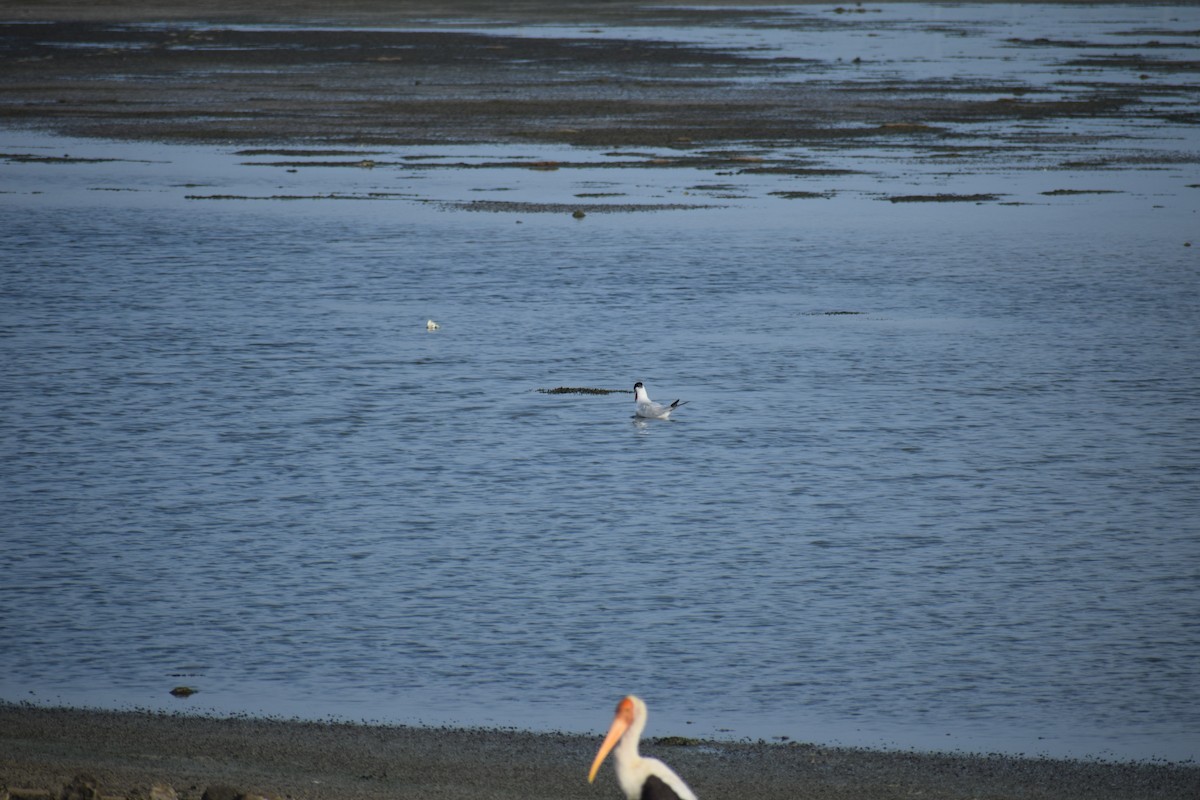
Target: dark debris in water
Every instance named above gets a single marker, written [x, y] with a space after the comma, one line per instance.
[31, 158]
[333, 196]
[582, 390]
[362, 163]
[909, 127]
[1042, 41]
[1064, 192]
[566, 208]
[943, 198]
[1136, 62]
[791, 195]
[808, 172]
[301, 153]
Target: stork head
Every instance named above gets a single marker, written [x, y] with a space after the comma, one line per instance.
[627, 710]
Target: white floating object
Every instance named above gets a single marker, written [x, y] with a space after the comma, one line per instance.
[431, 326]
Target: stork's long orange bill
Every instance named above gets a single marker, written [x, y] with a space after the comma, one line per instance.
[620, 724]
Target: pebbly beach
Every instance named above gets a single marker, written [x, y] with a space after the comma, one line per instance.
[44, 751]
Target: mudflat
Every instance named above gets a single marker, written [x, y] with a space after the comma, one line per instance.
[373, 72]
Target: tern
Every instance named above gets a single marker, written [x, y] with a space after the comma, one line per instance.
[648, 408]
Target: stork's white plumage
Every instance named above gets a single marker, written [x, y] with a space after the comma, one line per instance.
[647, 408]
[640, 778]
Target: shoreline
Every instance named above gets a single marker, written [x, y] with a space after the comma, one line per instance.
[130, 753]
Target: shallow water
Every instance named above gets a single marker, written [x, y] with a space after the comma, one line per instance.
[962, 516]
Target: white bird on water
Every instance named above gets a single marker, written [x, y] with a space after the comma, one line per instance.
[431, 326]
[640, 778]
[648, 408]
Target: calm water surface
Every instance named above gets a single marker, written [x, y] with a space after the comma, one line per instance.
[963, 516]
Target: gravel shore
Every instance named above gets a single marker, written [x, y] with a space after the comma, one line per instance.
[127, 754]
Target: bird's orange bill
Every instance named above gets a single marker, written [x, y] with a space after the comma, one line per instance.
[620, 724]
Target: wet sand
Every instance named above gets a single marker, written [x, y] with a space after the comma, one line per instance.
[128, 753]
